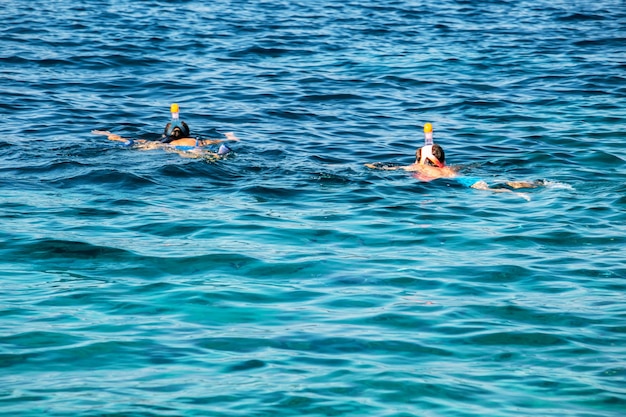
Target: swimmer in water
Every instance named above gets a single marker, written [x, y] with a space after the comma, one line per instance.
[430, 165]
[175, 138]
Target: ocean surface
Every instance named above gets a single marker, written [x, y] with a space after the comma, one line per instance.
[287, 279]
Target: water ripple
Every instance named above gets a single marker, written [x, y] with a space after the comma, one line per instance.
[288, 279]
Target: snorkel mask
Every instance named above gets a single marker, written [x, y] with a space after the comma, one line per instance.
[426, 152]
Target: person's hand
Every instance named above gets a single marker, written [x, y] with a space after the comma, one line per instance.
[100, 132]
[231, 136]
[109, 135]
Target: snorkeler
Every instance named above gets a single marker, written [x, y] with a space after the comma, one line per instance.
[430, 165]
[175, 138]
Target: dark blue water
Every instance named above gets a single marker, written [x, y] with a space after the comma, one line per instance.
[287, 279]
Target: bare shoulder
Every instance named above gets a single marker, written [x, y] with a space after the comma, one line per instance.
[433, 172]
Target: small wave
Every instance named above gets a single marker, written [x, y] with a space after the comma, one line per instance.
[290, 264]
[331, 97]
[264, 52]
[580, 17]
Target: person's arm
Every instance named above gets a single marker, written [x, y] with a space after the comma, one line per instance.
[109, 135]
[118, 138]
[230, 136]
[386, 167]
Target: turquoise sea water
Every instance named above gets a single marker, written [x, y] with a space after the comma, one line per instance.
[288, 279]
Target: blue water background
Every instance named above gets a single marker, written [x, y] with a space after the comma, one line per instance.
[288, 279]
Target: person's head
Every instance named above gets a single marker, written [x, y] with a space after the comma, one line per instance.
[431, 155]
[176, 129]
[175, 133]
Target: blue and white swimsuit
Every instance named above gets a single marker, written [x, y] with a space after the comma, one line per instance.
[466, 181]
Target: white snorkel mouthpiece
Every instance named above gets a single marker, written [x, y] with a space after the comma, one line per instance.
[428, 134]
[174, 111]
